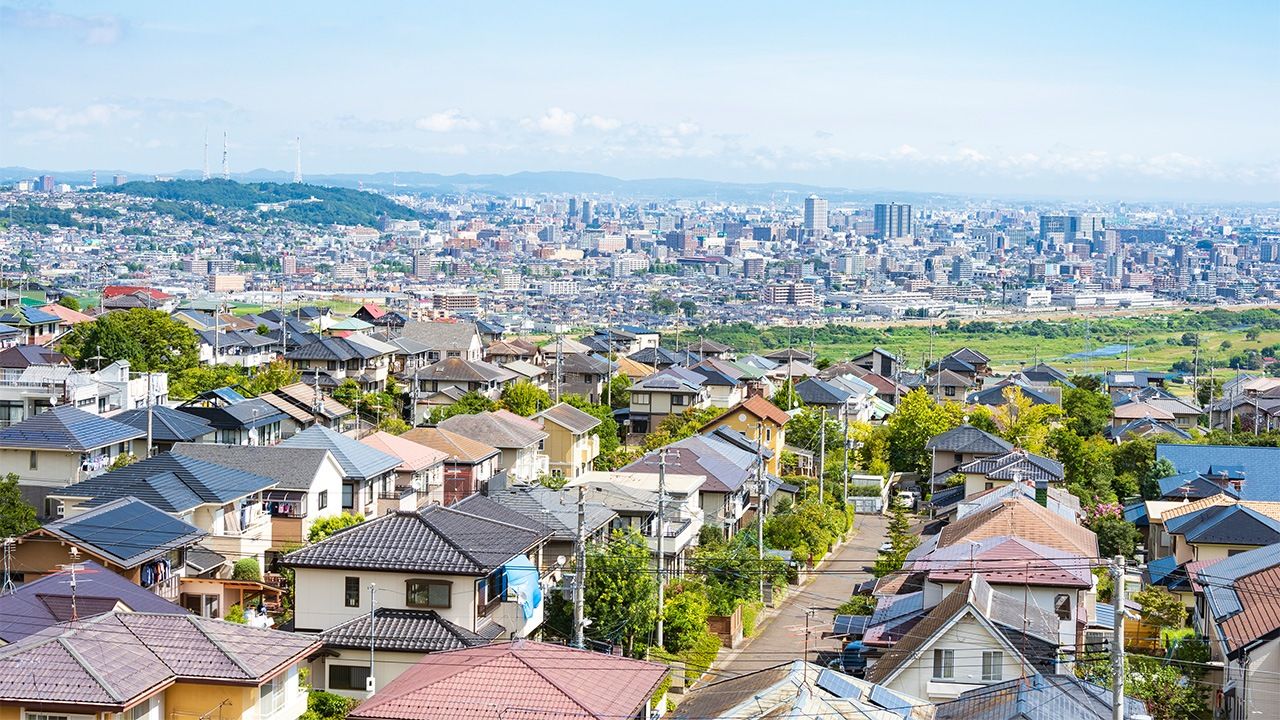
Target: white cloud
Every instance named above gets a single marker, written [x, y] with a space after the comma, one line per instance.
[446, 121]
[600, 122]
[57, 117]
[556, 121]
[686, 129]
[91, 30]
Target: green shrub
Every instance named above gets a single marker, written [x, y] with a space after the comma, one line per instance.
[685, 615]
[235, 614]
[246, 569]
[857, 605]
[325, 526]
[750, 614]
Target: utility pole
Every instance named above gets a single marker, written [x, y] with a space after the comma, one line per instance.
[822, 454]
[559, 359]
[662, 530]
[845, 447]
[760, 505]
[1117, 640]
[371, 686]
[580, 574]
[149, 433]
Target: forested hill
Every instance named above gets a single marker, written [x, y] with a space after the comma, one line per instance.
[340, 206]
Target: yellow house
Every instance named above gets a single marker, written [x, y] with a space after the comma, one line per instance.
[144, 666]
[570, 446]
[751, 417]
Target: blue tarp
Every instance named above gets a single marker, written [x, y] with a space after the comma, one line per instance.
[522, 577]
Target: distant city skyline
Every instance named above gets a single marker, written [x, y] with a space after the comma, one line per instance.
[1135, 100]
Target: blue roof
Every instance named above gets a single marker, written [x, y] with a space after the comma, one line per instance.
[46, 602]
[1260, 465]
[357, 459]
[28, 315]
[67, 428]
[1137, 514]
[1160, 569]
[167, 424]
[173, 483]
[126, 532]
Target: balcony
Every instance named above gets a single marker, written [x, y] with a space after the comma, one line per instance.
[167, 588]
[402, 498]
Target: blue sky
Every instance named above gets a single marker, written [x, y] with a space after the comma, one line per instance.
[1103, 100]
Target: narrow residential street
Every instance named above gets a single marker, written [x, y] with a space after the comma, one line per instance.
[783, 637]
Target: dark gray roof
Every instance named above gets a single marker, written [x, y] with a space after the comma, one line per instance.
[293, 468]
[167, 424]
[1040, 697]
[171, 482]
[441, 336]
[494, 429]
[434, 540]
[820, 392]
[128, 531]
[569, 417]
[68, 428]
[46, 602]
[422, 631]
[1015, 464]
[357, 459]
[968, 439]
[243, 414]
[556, 509]
[487, 507]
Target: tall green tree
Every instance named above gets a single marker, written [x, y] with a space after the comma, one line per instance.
[786, 397]
[916, 419]
[619, 391]
[804, 430]
[17, 516]
[1088, 411]
[149, 339]
[524, 398]
[471, 403]
[621, 593]
[1023, 423]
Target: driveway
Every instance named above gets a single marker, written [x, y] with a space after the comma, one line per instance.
[783, 637]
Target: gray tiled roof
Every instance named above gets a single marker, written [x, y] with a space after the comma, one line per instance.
[67, 428]
[167, 424]
[493, 429]
[357, 459]
[1040, 697]
[441, 336]
[433, 540]
[127, 531]
[114, 659]
[293, 468]
[556, 509]
[968, 439]
[422, 631]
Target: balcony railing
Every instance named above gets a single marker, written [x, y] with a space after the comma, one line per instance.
[166, 588]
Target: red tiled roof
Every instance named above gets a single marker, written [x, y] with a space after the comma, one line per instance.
[111, 291]
[529, 680]
[757, 406]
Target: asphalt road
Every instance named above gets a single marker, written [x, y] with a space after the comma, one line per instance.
[784, 637]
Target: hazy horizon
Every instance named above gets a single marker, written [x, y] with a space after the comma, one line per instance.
[1140, 101]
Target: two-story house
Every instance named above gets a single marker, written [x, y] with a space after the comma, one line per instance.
[436, 566]
[306, 405]
[238, 420]
[355, 357]
[468, 465]
[571, 447]
[37, 326]
[729, 470]
[540, 508]
[1012, 466]
[521, 441]
[368, 474]
[960, 446]
[669, 392]
[421, 467]
[446, 339]
[168, 426]
[633, 498]
[757, 418]
[62, 446]
[444, 381]
[584, 374]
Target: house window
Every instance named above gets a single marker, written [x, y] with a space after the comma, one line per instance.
[34, 463]
[351, 591]
[679, 400]
[271, 695]
[949, 391]
[1062, 606]
[988, 486]
[323, 499]
[348, 496]
[57, 716]
[348, 677]
[427, 593]
[542, 444]
[944, 664]
[640, 398]
[992, 665]
[149, 710]
[768, 435]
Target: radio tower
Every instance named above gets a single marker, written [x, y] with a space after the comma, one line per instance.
[226, 165]
[297, 168]
[206, 154]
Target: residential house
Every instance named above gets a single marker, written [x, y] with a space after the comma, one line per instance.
[1250, 473]
[68, 318]
[975, 637]
[1144, 428]
[368, 474]
[363, 359]
[1219, 527]
[20, 357]
[705, 348]
[143, 297]
[241, 348]
[730, 471]
[1044, 696]
[798, 689]
[237, 419]
[305, 405]
[308, 483]
[226, 503]
[571, 447]
[150, 666]
[879, 361]
[952, 504]
[521, 441]
[584, 374]
[633, 497]
[997, 394]
[502, 352]
[966, 362]
[446, 339]
[1125, 381]
[62, 446]
[421, 467]
[38, 604]
[38, 327]
[472, 571]
[542, 680]
[542, 509]
[633, 370]
[1237, 609]
[528, 372]
[661, 358]
[1012, 466]
[127, 536]
[961, 446]
[443, 382]
[754, 418]
[409, 354]
[787, 355]
[1156, 404]
[949, 386]
[168, 426]
[468, 466]
[723, 383]
[668, 392]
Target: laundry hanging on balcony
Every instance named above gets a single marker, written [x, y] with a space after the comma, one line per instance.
[523, 579]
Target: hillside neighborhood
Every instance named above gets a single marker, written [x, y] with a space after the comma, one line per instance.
[301, 513]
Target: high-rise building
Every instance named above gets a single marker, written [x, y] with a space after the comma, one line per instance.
[421, 263]
[588, 212]
[573, 208]
[815, 215]
[753, 267]
[789, 294]
[961, 270]
[892, 221]
[46, 183]
[119, 180]
[289, 264]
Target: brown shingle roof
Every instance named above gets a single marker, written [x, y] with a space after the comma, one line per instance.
[457, 447]
[1024, 518]
[1260, 613]
[932, 622]
[570, 418]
